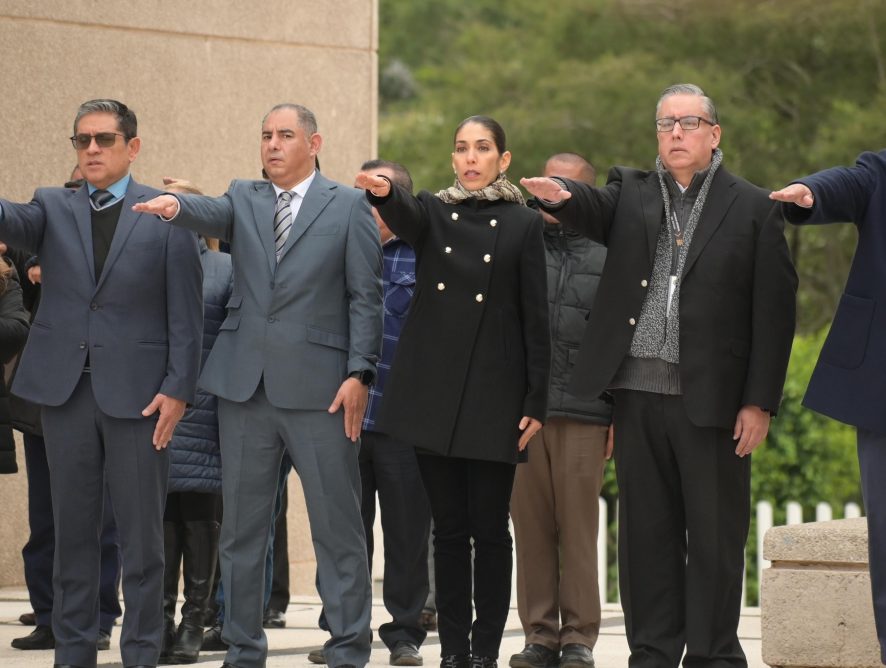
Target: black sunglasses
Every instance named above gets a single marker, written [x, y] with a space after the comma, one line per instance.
[103, 139]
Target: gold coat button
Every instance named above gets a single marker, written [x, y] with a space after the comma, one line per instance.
[479, 298]
[454, 216]
[487, 258]
[644, 283]
[630, 321]
[441, 286]
[493, 222]
[448, 249]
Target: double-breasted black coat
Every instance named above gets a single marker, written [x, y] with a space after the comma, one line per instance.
[474, 353]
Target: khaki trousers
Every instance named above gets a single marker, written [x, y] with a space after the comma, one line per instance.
[554, 507]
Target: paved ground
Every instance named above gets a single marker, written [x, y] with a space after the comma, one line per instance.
[289, 646]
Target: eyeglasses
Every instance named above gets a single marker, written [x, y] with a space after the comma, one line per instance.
[103, 139]
[686, 123]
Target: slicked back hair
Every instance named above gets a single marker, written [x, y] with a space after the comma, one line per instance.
[306, 119]
[126, 121]
[689, 89]
[498, 132]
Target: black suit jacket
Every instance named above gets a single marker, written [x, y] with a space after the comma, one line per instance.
[737, 292]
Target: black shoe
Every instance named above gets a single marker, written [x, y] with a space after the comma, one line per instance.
[104, 640]
[483, 662]
[317, 656]
[455, 661]
[575, 655]
[40, 638]
[405, 654]
[534, 656]
[212, 640]
[428, 620]
[188, 642]
[28, 619]
[274, 619]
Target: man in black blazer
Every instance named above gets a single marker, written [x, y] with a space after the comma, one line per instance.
[691, 334]
[112, 358]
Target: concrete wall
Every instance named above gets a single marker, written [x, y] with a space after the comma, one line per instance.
[200, 75]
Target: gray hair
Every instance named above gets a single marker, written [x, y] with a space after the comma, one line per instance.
[306, 119]
[689, 89]
[126, 121]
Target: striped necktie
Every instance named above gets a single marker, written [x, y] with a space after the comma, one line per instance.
[282, 222]
[100, 198]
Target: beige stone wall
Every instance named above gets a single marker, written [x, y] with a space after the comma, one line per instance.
[200, 75]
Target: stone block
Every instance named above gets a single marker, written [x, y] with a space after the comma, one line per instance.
[816, 597]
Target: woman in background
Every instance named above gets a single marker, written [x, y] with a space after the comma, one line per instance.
[193, 503]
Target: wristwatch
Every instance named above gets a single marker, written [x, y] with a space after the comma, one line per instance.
[366, 376]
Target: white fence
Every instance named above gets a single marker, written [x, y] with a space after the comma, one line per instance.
[793, 512]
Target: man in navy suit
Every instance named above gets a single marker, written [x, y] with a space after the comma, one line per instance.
[112, 357]
[849, 383]
[293, 358]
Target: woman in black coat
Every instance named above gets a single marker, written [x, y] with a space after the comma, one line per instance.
[468, 384]
[13, 334]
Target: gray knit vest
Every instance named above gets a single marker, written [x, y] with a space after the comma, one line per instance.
[651, 364]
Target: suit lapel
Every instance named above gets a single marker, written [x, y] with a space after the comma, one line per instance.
[318, 196]
[82, 211]
[264, 204]
[653, 211]
[716, 206]
[125, 225]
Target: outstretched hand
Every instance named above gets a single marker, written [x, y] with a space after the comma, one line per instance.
[165, 206]
[545, 188]
[378, 186]
[796, 193]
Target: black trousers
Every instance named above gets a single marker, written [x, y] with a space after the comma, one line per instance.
[389, 468]
[469, 503]
[684, 513]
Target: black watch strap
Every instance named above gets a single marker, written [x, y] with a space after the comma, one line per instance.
[365, 376]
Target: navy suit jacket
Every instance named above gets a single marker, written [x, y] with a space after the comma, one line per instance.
[303, 324]
[849, 381]
[140, 321]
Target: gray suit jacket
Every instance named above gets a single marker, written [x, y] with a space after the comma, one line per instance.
[303, 324]
[140, 321]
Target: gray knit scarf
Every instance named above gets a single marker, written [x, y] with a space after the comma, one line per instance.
[501, 188]
[657, 335]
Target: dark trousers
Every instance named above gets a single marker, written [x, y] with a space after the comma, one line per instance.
[87, 449]
[469, 502]
[872, 462]
[390, 469]
[684, 513]
[38, 552]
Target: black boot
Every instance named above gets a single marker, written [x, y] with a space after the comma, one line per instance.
[200, 550]
[173, 555]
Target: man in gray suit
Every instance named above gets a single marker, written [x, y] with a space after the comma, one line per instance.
[300, 342]
[112, 357]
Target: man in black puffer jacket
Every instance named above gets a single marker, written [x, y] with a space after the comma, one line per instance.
[554, 504]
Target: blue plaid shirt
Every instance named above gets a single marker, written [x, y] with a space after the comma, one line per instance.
[399, 283]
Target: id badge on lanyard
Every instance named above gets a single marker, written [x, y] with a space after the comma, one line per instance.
[672, 280]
